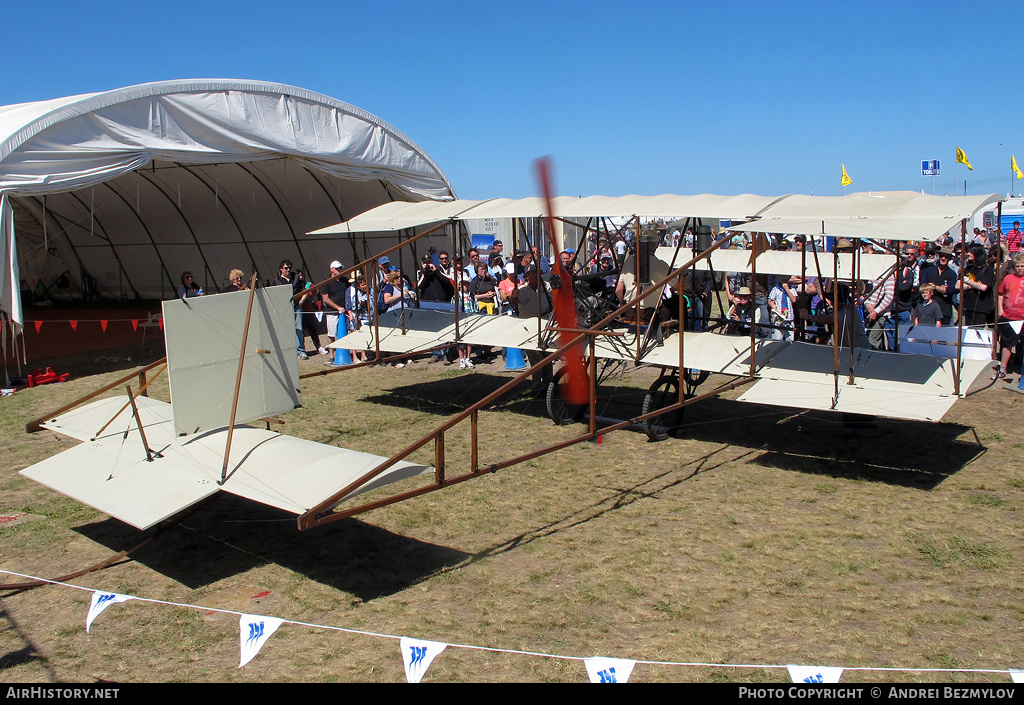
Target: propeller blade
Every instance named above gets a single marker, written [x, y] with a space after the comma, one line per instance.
[575, 382]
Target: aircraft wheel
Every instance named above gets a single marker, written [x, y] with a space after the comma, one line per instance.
[695, 378]
[558, 410]
[662, 393]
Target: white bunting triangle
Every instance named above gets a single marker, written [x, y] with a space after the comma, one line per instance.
[100, 602]
[609, 670]
[815, 674]
[417, 656]
[1017, 676]
[253, 632]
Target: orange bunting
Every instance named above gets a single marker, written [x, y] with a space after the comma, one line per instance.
[39, 324]
[103, 325]
[74, 325]
[135, 324]
[161, 324]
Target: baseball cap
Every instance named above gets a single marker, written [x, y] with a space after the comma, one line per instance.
[384, 260]
[337, 265]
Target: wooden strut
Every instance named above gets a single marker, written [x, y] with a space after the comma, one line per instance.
[138, 424]
[317, 515]
[142, 392]
[477, 471]
[34, 425]
[960, 308]
[238, 380]
[117, 556]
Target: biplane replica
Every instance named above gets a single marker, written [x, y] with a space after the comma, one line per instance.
[231, 358]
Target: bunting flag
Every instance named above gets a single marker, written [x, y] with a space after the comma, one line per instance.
[417, 656]
[161, 323]
[609, 670]
[135, 324]
[103, 325]
[100, 602]
[74, 325]
[253, 632]
[846, 180]
[815, 674]
[961, 158]
[1016, 169]
[39, 324]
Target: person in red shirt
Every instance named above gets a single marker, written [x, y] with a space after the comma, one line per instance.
[1013, 238]
[1010, 308]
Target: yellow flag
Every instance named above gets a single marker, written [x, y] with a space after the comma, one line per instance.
[961, 158]
[1016, 169]
[846, 180]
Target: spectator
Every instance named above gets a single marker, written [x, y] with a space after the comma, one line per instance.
[542, 262]
[878, 313]
[358, 309]
[908, 285]
[188, 287]
[333, 298]
[505, 289]
[286, 277]
[1010, 308]
[742, 313]
[1012, 239]
[484, 290]
[396, 294]
[533, 300]
[944, 280]
[979, 286]
[928, 312]
[850, 325]
[309, 310]
[236, 282]
[432, 283]
[781, 300]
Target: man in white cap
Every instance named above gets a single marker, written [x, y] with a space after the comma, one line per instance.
[333, 294]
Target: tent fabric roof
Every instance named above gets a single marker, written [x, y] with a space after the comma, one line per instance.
[204, 121]
[391, 217]
[133, 186]
[893, 215]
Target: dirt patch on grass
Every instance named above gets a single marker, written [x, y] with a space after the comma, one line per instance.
[761, 536]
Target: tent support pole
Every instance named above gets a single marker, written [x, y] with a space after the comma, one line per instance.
[174, 204]
[198, 174]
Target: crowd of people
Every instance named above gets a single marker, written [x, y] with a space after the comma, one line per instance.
[924, 288]
[975, 280]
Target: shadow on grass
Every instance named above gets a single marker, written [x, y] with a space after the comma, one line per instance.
[27, 654]
[450, 395]
[618, 497]
[907, 453]
[233, 535]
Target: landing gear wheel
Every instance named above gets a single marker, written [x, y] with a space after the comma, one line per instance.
[664, 392]
[694, 378]
[558, 410]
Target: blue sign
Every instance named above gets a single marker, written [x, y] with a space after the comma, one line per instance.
[929, 167]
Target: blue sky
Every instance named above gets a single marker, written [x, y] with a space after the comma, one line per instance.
[628, 97]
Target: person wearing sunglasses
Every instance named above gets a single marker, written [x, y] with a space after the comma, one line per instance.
[188, 287]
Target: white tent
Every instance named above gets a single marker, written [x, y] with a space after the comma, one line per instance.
[116, 193]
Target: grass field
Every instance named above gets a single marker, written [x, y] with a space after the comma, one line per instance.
[764, 536]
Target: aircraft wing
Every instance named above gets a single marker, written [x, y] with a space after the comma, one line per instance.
[112, 474]
[893, 385]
